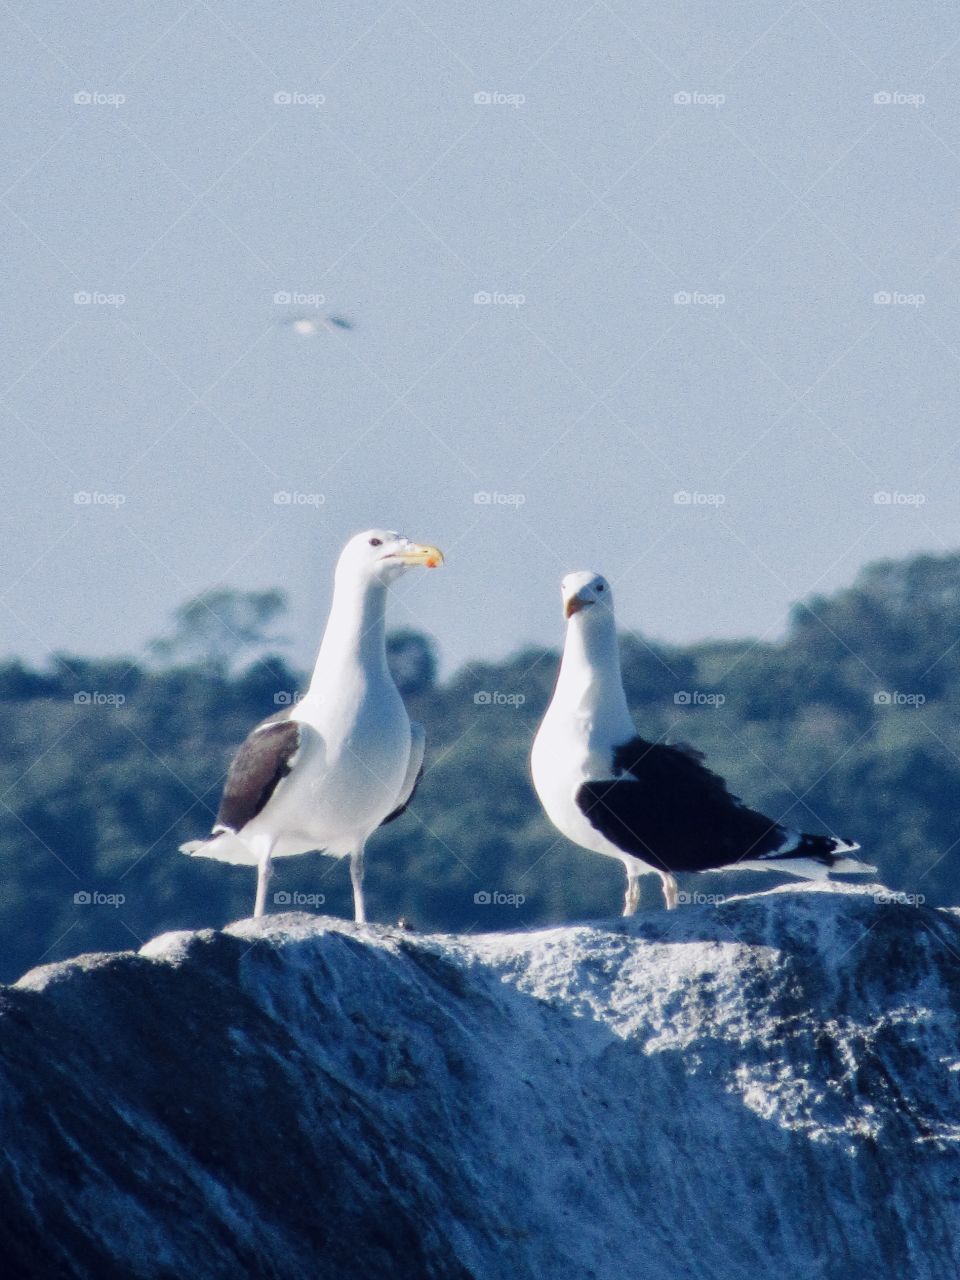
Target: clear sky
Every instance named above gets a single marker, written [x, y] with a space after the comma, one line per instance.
[736, 155]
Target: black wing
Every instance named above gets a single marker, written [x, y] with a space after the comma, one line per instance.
[674, 812]
[262, 761]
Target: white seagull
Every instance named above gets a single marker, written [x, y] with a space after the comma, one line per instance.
[310, 326]
[325, 773]
[655, 807]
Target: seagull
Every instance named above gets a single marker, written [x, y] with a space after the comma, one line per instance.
[310, 326]
[655, 807]
[326, 772]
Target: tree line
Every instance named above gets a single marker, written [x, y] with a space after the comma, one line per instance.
[848, 724]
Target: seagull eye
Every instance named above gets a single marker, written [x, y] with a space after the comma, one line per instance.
[376, 542]
[600, 586]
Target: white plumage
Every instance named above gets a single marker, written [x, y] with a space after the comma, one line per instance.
[654, 807]
[325, 773]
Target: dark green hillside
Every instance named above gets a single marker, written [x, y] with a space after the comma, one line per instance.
[850, 725]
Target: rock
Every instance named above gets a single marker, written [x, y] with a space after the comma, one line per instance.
[765, 1087]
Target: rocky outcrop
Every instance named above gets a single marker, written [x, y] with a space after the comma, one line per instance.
[765, 1087]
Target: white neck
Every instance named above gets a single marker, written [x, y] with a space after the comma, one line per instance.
[354, 642]
[589, 682]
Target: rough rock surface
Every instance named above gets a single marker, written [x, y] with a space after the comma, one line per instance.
[770, 1087]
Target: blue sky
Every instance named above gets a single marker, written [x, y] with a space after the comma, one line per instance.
[689, 219]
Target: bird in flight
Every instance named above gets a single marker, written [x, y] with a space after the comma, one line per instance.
[309, 326]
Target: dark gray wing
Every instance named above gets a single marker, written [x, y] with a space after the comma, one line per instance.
[264, 759]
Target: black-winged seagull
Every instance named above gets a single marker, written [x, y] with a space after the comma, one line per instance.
[326, 772]
[655, 807]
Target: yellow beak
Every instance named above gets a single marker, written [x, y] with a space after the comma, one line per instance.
[431, 557]
[574, 605]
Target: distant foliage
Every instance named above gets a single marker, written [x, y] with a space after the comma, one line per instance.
[222, 629]
[849, 725]
[412, 658]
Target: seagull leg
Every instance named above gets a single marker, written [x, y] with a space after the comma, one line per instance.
[264, 872]
[670, 889]
[632, 900]
[356, 879]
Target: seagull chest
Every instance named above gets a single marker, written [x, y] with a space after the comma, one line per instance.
[353, 768]
[571, 747]
[568, 751]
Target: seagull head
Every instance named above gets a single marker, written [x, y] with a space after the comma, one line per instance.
[382, 555]
[585, 591]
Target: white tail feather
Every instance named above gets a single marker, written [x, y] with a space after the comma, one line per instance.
[809, 868]
[852, 866]
[225, 847]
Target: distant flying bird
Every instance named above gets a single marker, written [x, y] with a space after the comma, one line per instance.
[655, 807]
[309, 326]
[325, 772]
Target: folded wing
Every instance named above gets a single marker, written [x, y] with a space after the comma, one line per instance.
[418, 746]
[663, 805]
[258, 768]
